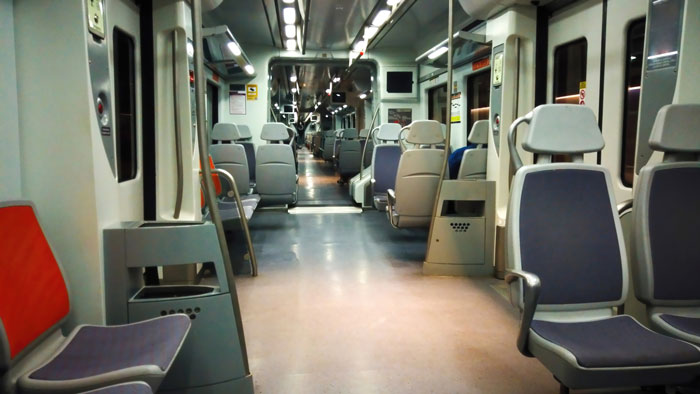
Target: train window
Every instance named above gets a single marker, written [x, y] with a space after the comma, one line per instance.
[478, 91]
[437, 103]
[633, 82]
[125, 105]
[569, 71]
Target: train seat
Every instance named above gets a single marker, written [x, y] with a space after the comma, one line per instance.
[568, 268]
[349, 154]
[667, 217]
[124, 388]
[276, 172]
[35, 357]
[328, 145]
[473, 164]
[385, 161]
[336, 145]
[232, 158]
[410, 204]
[246, 141]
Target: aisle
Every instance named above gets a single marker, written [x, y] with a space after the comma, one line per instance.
[318, 183]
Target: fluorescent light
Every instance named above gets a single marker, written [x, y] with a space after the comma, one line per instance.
[328, 91]
[293, 78]
[336, 79]
[288, 1]
[277, 105]
[326, 115]
[291, 45]
[360, 46]
[289, 15]
[363, 96]
[392, 3]
[234, 48]
[437, 53]
[190, 49]
[249, 69]
[294, 90]
[370, 31]
[319, 103]
[290, 31]
[345, 105]
[633, 57]
[381, 18]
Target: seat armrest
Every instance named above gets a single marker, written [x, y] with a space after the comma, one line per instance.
[531, 294]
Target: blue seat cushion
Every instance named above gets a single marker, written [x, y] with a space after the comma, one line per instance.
[127, 388]
[615, 343]
[690, 325]
[96, 350]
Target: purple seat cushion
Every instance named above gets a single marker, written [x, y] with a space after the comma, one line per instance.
[615, 343]
[128, 388]
[97, 350]
[690, 325]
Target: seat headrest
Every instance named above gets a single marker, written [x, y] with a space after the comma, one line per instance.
[244, 132]
[676, 129]
[225, 132]
[563, 129]
[329, 133]
[389, 132]
[425, 132]
[364, 133]
[349, 134]
[479, 133]
[274, 132]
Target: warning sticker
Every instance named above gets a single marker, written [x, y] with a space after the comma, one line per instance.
[251, 91]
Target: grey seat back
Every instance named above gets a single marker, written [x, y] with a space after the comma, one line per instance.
[667, 212]
[336, 143]
[418, 175]
[230, 156]
[473, 165]
[349, 153]
[249, 146]
[276, 175]
[328, 144]
[562, 220]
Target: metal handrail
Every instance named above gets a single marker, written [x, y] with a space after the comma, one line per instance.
[448, 128]
[209, 191]
[514, 156]
[244, 221]
[180, 186]
[371, 131]
[625, 206]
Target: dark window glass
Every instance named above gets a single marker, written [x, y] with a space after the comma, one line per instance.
[125, 105]
[569, 71]
[338, 97]
[399, 82]
[437, 103]
[633, 82]
[569, 77]
[478, 90]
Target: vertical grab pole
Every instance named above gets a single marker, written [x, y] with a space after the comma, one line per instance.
[209, 191]
[448, 125]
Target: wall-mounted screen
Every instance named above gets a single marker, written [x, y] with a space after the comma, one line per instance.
[287, 109]
[399, 81]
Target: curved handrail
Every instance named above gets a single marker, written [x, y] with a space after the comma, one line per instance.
[514, 156]
[624, 207]
[400, 139]
[371, 132]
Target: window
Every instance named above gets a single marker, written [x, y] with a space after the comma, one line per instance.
[633, 82]
[569, 71]
[437, 104]
[125, 105]
[478, 91]
[569, 77]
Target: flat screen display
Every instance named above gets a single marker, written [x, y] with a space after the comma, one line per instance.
[399, 82]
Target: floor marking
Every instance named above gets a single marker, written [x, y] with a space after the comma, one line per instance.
[318, 210]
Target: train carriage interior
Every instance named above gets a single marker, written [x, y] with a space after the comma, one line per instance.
[349, 196]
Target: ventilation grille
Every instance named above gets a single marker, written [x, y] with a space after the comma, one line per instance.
[460, 227]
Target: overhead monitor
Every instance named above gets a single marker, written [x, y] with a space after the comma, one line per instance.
[287, 109]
